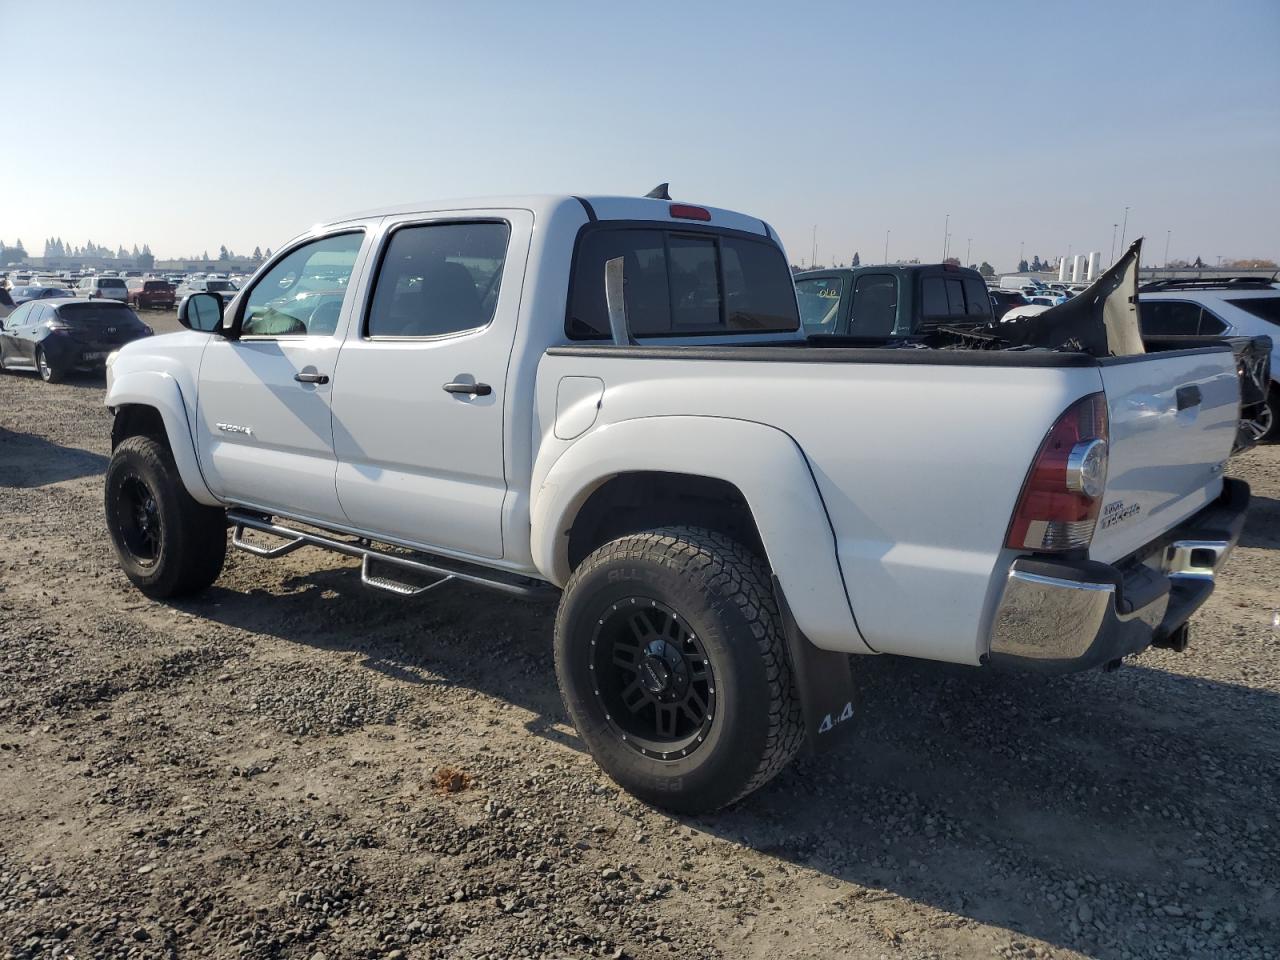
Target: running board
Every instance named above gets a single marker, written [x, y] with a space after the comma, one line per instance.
[444, 570]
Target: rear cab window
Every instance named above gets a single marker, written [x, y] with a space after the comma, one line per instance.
[946, 298]
[681, 282]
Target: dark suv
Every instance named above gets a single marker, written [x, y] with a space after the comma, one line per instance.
[899, 300]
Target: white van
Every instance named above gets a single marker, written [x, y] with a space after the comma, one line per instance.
[1018, 282]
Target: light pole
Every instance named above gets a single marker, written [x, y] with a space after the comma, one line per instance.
[1022, 246]
[813, 253]
[1125, 228]
[946, 226]
[967, 250]
[886, 246]
[1113, 241]
[1168, 234]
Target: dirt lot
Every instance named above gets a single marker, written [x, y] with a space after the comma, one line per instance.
[254, 773]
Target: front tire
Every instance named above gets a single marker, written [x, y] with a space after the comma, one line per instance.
[168, 544]
[672, 663]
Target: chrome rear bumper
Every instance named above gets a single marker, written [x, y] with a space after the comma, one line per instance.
[1062, 616]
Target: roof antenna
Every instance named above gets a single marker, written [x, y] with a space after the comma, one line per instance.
[659, 192]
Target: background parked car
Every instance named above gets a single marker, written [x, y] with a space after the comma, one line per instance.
[1219, 307]
[223, 288]
[892, 300]
[21, 295]
[1002, 301]
[150, 295]
[103, 288]
[55, 337]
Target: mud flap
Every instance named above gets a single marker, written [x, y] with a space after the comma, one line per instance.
[824, 684]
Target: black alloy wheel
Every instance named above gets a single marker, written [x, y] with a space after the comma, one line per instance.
[653, 678]
[138, 518]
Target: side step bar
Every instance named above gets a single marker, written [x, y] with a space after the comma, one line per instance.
[444, 570]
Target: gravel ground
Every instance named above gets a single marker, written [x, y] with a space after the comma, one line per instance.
[292, 766]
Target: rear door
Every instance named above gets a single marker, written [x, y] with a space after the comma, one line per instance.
[420, 389]
[1173, 419]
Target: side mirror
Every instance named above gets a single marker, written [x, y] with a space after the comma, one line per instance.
[202, 312]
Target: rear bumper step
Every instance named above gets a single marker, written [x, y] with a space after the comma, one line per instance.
[1059, 616]
[439, 570]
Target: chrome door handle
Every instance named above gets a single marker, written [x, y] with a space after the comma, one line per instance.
[311, 377]
[474, 389]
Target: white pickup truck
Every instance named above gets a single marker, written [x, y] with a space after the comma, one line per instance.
[612, 398]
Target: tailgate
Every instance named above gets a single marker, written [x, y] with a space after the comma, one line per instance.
[1173, 419]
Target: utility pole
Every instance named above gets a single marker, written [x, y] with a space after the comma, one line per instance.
[886, 246]
[967, 251]
[1114, 226]
[946, 235]
[1168, 234]
[1125, 229]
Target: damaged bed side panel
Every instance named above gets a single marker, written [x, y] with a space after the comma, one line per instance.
[1101, 321]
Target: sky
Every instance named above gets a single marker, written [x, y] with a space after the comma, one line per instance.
[187, 126]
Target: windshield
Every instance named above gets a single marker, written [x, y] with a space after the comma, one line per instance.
[110, 282]
[155, 285]
[221, 286]
[820, 303]
[1268, 308]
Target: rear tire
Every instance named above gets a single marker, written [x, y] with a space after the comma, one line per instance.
[1272, 435]
[48, 373]
[672, 663]
[168, 544]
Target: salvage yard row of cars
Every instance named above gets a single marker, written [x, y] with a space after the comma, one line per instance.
[55, 330]
[617, 409]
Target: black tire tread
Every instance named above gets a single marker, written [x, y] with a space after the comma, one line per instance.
[199, 545]
[723, 567]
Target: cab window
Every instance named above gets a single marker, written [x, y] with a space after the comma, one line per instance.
[875, 306]
[302, 294]
[682, 283]
[438, 279]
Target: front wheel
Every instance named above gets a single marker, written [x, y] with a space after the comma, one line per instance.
[671, 659]
[168, 544]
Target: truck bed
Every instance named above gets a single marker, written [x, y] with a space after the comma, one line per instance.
[919, 455]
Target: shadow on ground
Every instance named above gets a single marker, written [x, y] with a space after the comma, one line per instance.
[30, 461]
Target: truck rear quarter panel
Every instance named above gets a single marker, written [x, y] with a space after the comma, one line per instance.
[917, 467]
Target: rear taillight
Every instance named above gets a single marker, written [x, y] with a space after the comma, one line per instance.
[1060, 499]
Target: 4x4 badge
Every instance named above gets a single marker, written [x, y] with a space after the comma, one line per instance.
[845, 714]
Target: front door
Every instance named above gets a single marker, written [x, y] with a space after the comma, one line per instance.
[12, 352]
[418, 399]
[263, 413]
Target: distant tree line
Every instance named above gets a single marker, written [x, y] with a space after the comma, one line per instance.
[57, 248]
